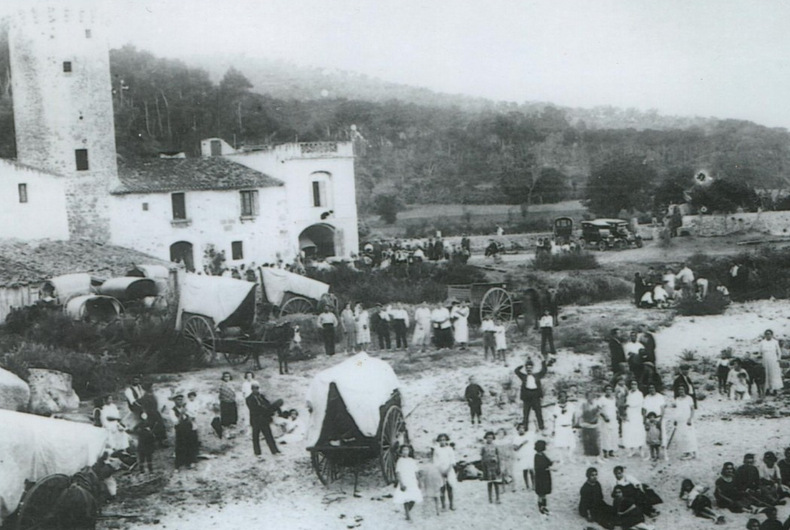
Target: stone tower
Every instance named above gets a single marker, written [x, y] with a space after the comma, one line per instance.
[63, 113]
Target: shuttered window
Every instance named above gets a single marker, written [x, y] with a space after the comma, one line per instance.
[179, 206]
[249, 203]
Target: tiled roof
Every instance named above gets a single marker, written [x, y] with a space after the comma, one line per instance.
[153, 175]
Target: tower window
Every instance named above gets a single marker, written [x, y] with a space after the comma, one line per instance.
[88, 34]
[81, 156]
[179, 206]
[319, 193]
[237, 250]
[22, 193]
[67, 66]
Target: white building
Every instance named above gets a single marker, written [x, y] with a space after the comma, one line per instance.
[258, 205]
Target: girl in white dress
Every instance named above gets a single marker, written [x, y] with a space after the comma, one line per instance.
[362, 318]
[771, 353]
[407, 488]
[444, 459]
[685, 433]
[500, 340]
[564, 420]
[110, 418]
[524, 462]
[634, 436]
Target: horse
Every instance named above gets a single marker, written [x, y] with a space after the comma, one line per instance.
[79, 505]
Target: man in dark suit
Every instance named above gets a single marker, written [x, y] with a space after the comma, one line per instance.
[531, 391]
[261, 413]
[649, 341]
[616, 353]
[685, 381]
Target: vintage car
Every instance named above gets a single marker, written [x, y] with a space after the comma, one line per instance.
[605, 234]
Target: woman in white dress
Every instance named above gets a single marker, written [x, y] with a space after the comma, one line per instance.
[407, 488]
[362, 318]
[634, 436]
[564, 420]
[422, 327]
[685, 433]
[771, 353]
[110, 418]
[459, 316]
[610, 437]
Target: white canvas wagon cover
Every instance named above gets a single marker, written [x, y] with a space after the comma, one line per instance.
[32, 447]
[212, 296]
[276, 282]
[364, 382]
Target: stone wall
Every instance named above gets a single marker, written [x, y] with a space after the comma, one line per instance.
[772, 223]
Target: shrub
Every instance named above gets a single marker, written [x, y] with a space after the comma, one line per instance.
[688, 355]
[565, 262]
[713, 304]
[592, 289]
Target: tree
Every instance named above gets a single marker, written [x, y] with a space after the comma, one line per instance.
[725, 196]
[672, 189]
[623, 183]
[387, 206]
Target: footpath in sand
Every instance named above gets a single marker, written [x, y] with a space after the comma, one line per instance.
[233, 490]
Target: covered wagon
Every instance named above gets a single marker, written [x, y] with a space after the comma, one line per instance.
[43, 451]
[96, 308]
[355, 416]
[293, 293]
[60, 289]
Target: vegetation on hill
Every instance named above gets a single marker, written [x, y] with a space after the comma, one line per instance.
[427, 151]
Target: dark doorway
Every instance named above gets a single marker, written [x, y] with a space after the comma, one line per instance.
[181, 252]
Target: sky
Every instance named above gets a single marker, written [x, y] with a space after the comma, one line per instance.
[723, 58]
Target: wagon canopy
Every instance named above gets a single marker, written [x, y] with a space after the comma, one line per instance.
[363, 383]
[93, 307]
[61, 288]
[227, 301]
[276, 282]
[129, 288]
[34, 447]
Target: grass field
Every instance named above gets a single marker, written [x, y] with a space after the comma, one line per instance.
[473, 218]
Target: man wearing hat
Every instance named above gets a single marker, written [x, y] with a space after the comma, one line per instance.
[261, 413]
[685, 381]
[133, 393]
[531, 391]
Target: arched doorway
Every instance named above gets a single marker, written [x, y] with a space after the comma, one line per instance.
[318, 241]
[181, 252]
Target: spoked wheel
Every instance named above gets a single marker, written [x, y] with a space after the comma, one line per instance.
[393, 435]
[296, 305]
[200, 333]
[601, 245]
[324, 467]
[37, 509]
[497, 304]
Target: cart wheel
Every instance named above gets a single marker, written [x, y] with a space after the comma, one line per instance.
[393, 435]
[296, 305]
[198, 330]
[36, 510]
[324, 467]
[497, 304]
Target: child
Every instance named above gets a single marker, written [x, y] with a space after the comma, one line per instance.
[407, 488]
[771, 522]
[722, 370]
[564, 416]
[444, 460]
[474, 398]
[146, 441]
[431, 483]
[653, 429]
[524, 447]
[699, 503]
[295, 347]
[505, 447]
[542, 476]
[492, 470]
[501, 341]
[489, 342]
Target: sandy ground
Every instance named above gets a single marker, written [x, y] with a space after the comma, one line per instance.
[233, 490]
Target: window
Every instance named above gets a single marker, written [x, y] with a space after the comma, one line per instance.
[249, 203]
[319, 193]
[81, 156]
[145, 206]
[88, 34]
[23, 193]
[179, 206]
[67, 66]
[237, 250]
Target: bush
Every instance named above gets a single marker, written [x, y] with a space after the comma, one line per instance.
[565, 262]
[590, 289]
[713, 304]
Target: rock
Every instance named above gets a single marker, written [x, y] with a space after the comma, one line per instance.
[50, 392]
[14, 392]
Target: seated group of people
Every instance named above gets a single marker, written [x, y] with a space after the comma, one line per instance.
[657, 290]
[752, 487]
[632, 501]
